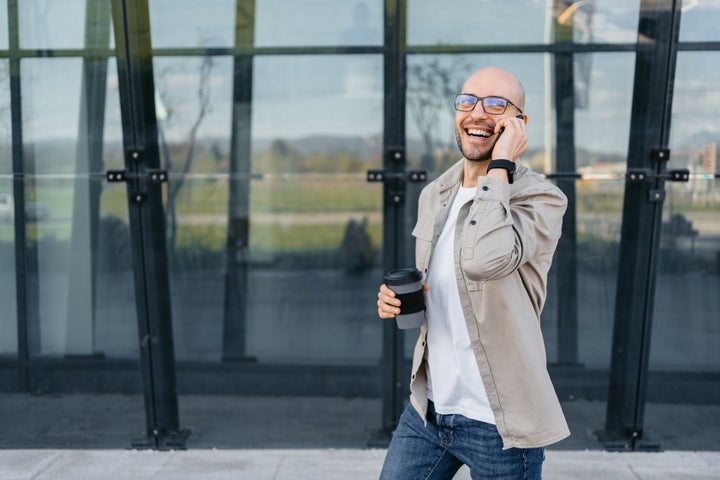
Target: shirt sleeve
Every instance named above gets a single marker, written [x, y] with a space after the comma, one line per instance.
[509, 225]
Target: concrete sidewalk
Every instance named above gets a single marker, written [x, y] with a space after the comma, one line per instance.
[324, 464]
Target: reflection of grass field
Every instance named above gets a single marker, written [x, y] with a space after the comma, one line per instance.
[276, 194]
[273, 237]
[293, 211]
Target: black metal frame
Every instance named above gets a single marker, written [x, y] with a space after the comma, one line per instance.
[641, 225]
[131, 22]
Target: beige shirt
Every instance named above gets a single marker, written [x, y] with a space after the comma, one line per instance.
[504, 243]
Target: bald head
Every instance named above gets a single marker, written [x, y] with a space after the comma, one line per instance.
[496, 81]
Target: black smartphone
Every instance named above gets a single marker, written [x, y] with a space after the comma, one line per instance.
[502, 129]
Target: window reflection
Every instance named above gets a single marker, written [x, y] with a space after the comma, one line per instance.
[46, 25]
[329, 96]
[3, 24]
[699, 21]
[77, 232]
[5, 130]
[192, 23]
[472, 22]
[324, 23]
[689, 270]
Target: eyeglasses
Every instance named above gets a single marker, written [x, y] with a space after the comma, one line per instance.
[465, 102]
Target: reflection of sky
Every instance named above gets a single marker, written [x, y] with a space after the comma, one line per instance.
[303, 95]
[3, 24]
[522, 22]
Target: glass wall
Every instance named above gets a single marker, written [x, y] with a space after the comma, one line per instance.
[8, 322]
[269, 115]
[685, 352]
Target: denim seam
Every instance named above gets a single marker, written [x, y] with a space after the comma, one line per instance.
[437, 462]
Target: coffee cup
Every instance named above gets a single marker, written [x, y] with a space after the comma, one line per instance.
[407, 285]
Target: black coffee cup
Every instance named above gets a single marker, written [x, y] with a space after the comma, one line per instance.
[407, 285]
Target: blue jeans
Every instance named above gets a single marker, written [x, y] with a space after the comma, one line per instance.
[437, 451]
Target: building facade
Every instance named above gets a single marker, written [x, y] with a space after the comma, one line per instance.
[202, 196]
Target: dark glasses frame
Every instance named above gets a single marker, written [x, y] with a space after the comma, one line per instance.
[484, 101]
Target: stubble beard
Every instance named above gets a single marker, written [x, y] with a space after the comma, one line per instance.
[478, 156]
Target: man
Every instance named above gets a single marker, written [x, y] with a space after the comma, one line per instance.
[486, 232]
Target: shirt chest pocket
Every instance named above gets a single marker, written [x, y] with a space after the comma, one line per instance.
[423, 233]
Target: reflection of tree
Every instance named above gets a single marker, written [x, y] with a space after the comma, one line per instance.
[431, 86]
[184, 164]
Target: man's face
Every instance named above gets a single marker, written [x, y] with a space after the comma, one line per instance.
[475, 130]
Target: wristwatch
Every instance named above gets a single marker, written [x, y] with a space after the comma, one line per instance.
[506, 164]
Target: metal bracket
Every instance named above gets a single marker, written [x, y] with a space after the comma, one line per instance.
[396, 196]
[382, 175]
[656, 196]
[660, 154]
[154, 175]
[639, 175]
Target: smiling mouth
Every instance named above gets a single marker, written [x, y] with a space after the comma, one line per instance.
[474, 132]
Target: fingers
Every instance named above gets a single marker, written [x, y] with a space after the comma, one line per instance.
[388, 305]
[513, 142]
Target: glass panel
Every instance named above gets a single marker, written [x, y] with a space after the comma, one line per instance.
[314, 221]
[8, 321]
[192, 23]
[5, 130]
[518, 23]
[49, 25]
[324, 23]
[77, 229]
[685, 347]
[699, 21]
[3, 24]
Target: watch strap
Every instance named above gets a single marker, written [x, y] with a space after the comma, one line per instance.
[508, 165]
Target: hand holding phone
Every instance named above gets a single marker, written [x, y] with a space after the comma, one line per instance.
[513, 146]
[502, 129]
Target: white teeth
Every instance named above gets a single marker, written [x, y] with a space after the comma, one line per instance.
[478, 133]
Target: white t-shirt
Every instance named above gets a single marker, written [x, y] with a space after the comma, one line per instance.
[454, 382]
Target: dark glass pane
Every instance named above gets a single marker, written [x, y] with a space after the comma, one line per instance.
[8, 321]
[85, 297]
[685, 349]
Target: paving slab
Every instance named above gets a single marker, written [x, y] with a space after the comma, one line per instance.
[324, 464]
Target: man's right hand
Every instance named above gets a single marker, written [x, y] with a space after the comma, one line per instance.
[388, 305]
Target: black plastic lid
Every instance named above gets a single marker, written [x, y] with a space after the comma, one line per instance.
[403, 276]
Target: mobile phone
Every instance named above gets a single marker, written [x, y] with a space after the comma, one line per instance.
[502, 129]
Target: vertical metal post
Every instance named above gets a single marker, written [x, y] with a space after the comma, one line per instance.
[566, 261]
[26, 266]
[393, 370]
[147, 225]
[642, 216]
[236, 266]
